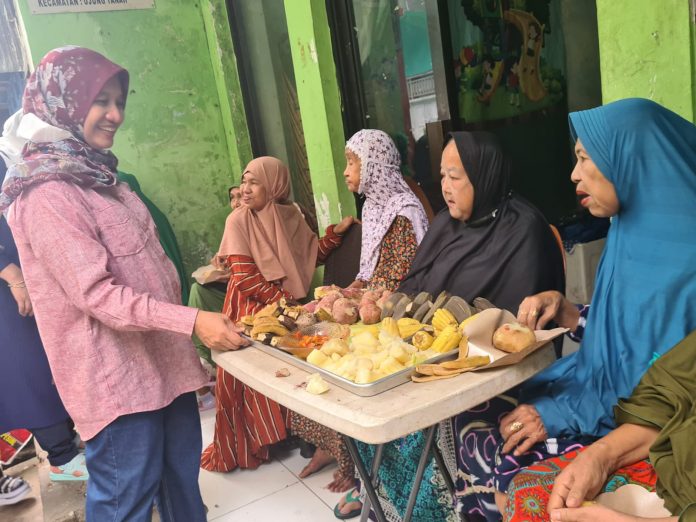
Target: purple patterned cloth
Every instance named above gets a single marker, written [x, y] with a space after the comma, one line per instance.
[386, 195]
[60, 92]
[482, 466]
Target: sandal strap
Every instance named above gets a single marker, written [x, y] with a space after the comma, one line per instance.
[350, 497]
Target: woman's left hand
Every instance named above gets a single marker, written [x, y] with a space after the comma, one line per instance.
[21, 296]
[521, 429]
[343, 225]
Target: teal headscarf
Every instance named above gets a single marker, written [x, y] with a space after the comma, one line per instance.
[645, 291]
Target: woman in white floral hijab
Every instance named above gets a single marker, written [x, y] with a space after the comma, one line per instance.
[394, 221]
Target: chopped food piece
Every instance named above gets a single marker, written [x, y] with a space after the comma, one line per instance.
[282, 372]
[316, 384]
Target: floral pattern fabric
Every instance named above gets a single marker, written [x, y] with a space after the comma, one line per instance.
[395, 256]
[60, 93]
[386, 195]
[530, 490]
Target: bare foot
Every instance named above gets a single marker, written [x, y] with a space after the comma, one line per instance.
[341, 483]
[320, 460]
[349, 502]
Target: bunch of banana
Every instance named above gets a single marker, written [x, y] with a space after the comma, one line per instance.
[271, 310]
[448, 339]
[447, 369]
[267, 325]
[390, 326]
[422, 340]
[408, 327]
[442, 319]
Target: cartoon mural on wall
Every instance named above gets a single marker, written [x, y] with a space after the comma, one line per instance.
[509, 57]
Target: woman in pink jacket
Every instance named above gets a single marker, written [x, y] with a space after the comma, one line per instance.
[106, 297]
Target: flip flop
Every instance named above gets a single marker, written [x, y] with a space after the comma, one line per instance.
[73, 471]
[350, 497]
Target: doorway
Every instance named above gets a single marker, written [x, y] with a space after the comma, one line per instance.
[418, 69]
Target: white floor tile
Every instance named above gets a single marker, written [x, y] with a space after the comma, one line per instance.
[207, 426]
[316, 482]
[293, 504]
[226, 492]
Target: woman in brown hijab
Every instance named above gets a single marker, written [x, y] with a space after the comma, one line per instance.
[271, 253]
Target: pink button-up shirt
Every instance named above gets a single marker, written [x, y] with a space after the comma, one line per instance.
[107, 302]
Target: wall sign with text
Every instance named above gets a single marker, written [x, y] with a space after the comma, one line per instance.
[81, 6]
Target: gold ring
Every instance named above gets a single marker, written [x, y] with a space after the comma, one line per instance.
[533, 313]
[515, 427]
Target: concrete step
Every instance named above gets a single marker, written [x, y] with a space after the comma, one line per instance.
[62, 501]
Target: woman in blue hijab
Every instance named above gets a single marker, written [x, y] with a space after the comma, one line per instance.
[637, 165]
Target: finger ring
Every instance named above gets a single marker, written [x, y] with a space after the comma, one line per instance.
[533, 313]
[515, 427]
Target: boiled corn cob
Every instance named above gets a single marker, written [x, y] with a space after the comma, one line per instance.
[408, 327]
[443, 318]
[422, 340]
[390, 326]
[447, 340]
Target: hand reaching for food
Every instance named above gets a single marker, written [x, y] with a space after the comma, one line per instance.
[537, 310]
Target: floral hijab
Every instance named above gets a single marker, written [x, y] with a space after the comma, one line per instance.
[386, 195]
[58, 96]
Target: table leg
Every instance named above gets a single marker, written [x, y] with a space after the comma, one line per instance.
[376, 463]
[440, 461]
[422, 464]
[365, 477]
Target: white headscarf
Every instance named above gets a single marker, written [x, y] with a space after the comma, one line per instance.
[11, 144]
[21, 128]
[386, 195]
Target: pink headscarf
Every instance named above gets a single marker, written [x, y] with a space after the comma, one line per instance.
[276, 237]
[60, 93]
[386, 195]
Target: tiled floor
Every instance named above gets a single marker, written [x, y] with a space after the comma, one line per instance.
[271, 492]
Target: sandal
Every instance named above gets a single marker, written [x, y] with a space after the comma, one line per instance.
[73, 471]
[352, 496]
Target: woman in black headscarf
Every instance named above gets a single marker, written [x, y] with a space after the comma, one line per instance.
[488, 243]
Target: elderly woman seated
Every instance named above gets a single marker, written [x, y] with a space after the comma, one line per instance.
[656, 422]
[636, 164]
[490, 242]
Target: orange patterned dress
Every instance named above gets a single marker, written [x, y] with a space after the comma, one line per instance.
[247, 422]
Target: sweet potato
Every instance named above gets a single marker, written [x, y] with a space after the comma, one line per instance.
[369, 297]
[311, 307]
[383, 299]
[370, 313]
[328, 301]
[352, 293]
[345, 311]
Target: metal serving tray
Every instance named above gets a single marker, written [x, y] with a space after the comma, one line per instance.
[364, 390]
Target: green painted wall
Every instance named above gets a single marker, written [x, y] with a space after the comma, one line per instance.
[185, 134]
[320, 104]
[647, 49]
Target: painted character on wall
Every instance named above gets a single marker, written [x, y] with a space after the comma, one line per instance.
[488, 79]
[512, 82]
[533, 35]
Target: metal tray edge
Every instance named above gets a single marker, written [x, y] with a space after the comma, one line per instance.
[363, 390]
